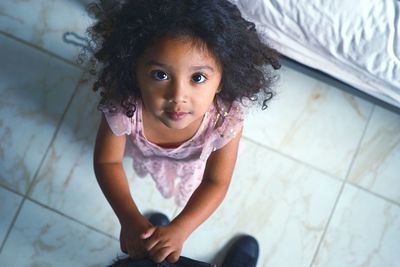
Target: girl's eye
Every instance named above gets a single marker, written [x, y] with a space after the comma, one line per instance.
[159, 75]
[199, 78]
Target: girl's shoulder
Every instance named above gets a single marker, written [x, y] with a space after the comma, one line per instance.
[225, 122]
[225, 113]
[117, 115]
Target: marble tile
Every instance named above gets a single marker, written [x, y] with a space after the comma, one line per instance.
[44, 238]
[66, 181]
[284, 204]
[377, 165]
[34, 92]
[311, 121]
[364, 231]
[43, 23]
[9, 203]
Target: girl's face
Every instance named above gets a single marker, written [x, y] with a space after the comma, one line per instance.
[178, 82]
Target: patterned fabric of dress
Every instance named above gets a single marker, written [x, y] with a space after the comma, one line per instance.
[176, 171]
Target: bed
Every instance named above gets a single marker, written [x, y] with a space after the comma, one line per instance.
[356, 42]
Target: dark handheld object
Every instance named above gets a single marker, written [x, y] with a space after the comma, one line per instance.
[182, 262]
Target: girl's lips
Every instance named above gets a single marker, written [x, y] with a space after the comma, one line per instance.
[176, 116]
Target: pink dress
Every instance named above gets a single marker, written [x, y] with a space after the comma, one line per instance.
[176, 171]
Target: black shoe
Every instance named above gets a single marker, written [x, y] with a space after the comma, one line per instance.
[243, 253]
[159, 219]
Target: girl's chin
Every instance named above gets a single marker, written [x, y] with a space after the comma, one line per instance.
[176, 125]
[180, 121]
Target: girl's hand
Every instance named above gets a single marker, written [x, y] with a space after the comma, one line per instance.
[130, 240]
[163, 242]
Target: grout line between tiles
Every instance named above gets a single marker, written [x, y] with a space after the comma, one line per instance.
[391, 201]
[47, 52]
[11, 190]
[11, 225]
[61, 121]
[41, 163]
[322, 171]
[293, 159]
[342, 188]
[72, 219]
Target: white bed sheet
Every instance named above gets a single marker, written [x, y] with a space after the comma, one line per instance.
[357, 42]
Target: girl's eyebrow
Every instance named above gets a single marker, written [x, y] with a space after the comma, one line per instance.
[204, 67]
[193, 68]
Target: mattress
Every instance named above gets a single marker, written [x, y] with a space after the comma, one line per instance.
[357, 42]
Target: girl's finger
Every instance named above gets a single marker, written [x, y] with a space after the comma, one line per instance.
[123, 247]
[135, 253]
[174, 256]
[132, 254]
[160, 254]
[151, 244]
[148, 233]
[130, 250]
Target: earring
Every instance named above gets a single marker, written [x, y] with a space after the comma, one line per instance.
[218, 90]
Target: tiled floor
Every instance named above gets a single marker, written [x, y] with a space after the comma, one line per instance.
[317, 181]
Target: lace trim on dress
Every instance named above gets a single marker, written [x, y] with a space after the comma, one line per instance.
[227, 123]
[119, 123]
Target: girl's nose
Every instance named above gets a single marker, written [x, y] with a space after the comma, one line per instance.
[177, 92]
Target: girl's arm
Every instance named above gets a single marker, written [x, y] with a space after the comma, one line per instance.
[108, 156]
[166, 242]
[212, 190]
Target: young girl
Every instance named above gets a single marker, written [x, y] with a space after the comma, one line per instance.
[174, 75]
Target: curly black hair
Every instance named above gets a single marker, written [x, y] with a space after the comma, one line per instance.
[125, 28]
